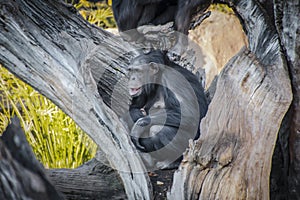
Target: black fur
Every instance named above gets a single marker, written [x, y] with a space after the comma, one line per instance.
[170, 116]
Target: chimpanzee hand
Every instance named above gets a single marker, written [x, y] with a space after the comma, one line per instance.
[140, 129]
[145, 121]
[137, 144]
[136, 133]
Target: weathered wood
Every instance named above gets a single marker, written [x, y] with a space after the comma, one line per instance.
[21, 175]
[48, 45]
[288, 25]
[64, 58]
[93, 180]
[232, 158]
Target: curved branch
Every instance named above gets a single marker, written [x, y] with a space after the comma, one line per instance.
[232, 158]
[47, 44]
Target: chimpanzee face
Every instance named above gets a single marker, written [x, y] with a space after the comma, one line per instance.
[141, 74]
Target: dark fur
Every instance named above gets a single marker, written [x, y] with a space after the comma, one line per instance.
[170, 116]
[130, 14]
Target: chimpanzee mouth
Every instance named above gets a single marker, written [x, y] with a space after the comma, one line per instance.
[135, 91]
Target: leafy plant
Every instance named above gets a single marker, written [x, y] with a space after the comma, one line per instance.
[56, 140]
[98, 13]
[221, 8]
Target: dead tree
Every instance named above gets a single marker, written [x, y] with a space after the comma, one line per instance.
[48, 45]
[22, 176]
[232, 159]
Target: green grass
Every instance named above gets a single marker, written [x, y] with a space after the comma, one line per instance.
[55, 138]
[98, 13]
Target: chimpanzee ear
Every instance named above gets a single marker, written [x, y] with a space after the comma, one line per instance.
[154, 68]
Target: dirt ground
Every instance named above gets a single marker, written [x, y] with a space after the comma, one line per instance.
[161, 182]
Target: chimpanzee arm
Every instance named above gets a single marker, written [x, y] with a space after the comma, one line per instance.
[144, 2]
[124, 10]
[129, 118]
[136, 113]
[186, 8]
[183, 17]
[136, 109]
[169, 120]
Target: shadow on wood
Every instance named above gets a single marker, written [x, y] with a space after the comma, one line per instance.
[21, 175]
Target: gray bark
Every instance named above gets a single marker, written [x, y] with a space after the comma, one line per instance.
[48, 45]
[93, 180]
[232, 158]
[53, 49]
[288, 25]
[21, 175]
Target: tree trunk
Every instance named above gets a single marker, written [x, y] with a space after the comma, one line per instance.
[93, 180]
[232, 158]
[21, 175]
[48, 45]
[288, 26]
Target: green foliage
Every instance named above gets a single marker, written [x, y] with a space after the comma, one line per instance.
[222, 8]
[56, 140]
[98, 13]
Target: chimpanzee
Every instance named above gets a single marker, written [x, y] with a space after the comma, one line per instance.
[130, 14]
[167, 105]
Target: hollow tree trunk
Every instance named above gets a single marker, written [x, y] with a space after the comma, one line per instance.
[48, 45]
[288, 26]
[232, 158]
